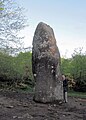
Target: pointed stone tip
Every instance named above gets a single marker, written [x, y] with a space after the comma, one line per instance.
[43, 24]
[45, 27]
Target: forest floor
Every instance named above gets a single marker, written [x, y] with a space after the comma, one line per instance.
[17, 105]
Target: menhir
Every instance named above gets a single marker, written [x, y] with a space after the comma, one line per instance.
[46, 65]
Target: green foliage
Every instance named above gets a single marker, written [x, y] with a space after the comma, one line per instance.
[16, 69]
[80, 86]
[76, 68]
[77, 94]
[24, 63]
[7, 72]
[1, 6]
[66, 66]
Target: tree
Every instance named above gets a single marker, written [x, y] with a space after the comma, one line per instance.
[24, 62]
[75, 68]
[78, 63]
[16, 69]
[8, 74]
[79, 69]
[1, 8]
[12, 20]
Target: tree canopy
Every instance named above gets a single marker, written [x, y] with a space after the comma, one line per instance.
[12, 20]
[76, 69]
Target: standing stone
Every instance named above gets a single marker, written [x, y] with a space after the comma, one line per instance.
[46, 65]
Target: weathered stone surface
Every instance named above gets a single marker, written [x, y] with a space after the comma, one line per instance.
[46, 65]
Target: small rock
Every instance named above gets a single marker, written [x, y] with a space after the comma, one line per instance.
[54, 105]
[14, 117]
[25, 105]
[27, 116]
[19, 117]
[10, 106]
[63, 115]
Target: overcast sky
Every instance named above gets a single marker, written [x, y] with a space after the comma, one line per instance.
[66, 17]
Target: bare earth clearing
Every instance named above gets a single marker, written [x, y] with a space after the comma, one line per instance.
[20, 106]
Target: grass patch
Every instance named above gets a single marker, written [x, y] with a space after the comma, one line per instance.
[24, 88]
[77, 94]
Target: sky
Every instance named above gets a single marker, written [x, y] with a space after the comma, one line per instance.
[66, 17]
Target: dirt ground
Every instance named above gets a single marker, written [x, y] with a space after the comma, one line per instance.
[20, 106]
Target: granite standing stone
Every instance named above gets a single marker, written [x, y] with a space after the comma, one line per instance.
[46, 65]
